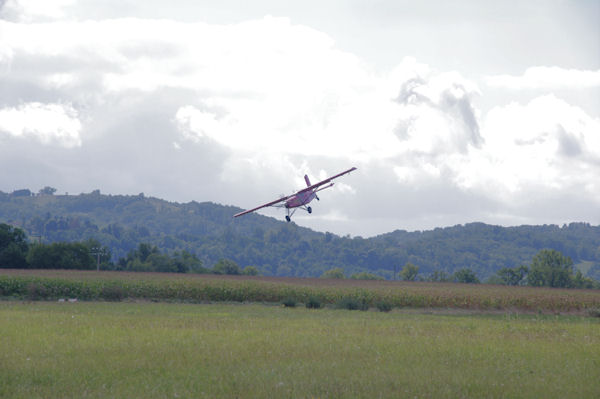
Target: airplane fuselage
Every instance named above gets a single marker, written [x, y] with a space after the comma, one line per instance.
[300, 199]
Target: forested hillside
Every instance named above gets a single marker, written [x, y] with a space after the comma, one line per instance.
[208, 230]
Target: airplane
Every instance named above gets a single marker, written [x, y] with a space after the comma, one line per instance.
[301, 199]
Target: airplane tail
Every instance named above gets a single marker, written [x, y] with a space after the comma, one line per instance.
[307, 180]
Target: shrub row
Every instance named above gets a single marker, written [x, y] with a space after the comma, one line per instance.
[211, 290]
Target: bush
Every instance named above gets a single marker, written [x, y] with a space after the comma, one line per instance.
[226, 266]
[365, 276]
[352, 304]
[465, 275]
[313, 303]
[594, 312]
[409, 272]
[289, 302]
[384, 306]
[250, 271]
[36, 291]
[112, 293]
[338, 272]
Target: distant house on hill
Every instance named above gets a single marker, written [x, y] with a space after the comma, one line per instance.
[22, 193]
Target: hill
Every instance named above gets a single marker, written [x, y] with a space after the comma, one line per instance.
[285, 249]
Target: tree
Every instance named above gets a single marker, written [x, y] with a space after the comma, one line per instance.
[226, 266]
[161, 263]
[140, 255]
[465, 275]
[250, 271]
[186, 262]
[439, 276]
[338, 272]
[136, 265]
[144, 250]
[580, 281]
[549, 268]
[148, 258]
[13, 247]
[513, 276]
[47, 191]
[60, 255]
[409, 272]
[594, 272]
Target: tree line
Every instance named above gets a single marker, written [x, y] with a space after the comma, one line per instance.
[549, 268]
[16, 252]
[209, 232]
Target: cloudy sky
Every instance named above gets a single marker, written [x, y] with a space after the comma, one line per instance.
[453, 112]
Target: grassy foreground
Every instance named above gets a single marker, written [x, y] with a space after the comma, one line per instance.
[150, 350]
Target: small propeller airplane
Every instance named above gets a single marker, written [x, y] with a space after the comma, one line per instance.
[300, 199]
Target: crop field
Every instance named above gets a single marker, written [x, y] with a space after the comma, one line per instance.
[117, 286]
[170, 350]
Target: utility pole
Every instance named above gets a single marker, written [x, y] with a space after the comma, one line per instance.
[36, 236]
[97, 252]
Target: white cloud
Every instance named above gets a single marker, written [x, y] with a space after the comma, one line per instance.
[539, 147]
[31, 10]
[345, 188]
[265, 83]
[543, 77]
[48, 123]
[436, 113]
[366, 122]
[195, 124]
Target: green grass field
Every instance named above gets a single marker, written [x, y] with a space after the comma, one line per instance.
[161, 350]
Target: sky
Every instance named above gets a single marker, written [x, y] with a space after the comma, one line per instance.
[453, 112]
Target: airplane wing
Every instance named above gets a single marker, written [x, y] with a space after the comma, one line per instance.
[328, 180]
[263, 206]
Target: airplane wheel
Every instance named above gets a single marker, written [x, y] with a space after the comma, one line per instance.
[288, 218]
[309, 209]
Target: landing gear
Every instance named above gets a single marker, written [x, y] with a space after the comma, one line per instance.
[291, 211]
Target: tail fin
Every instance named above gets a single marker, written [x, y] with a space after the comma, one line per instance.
[307, 180]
